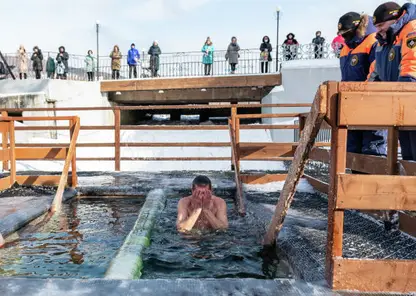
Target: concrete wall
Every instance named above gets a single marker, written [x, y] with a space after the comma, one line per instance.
[56, 93]
[300, 83]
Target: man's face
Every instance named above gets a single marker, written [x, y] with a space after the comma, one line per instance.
[201, 192]
[382, 28]
[132, 46]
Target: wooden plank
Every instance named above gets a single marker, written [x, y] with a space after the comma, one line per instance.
[190, 96]
[367, 275]
[374, 192]
[74, 179]
[41, 153]
[117, 139]
[387, 109]
[57, 201]
[5, 183]
[370, 164]
[281, 115]
[409, 167]
[40, 180]
[158, 107]
[318, 185]
[313, 123]
[234, 158]
[376, 87]
[265, 150]
[4, 139]
[39, 118]
[262, 178]
[12, 142]
[189, 83]
[5, 154]
[407, 223]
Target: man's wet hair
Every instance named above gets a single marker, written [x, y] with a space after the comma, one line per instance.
[201, 181]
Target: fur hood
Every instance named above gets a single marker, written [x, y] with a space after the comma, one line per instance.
[366, 26]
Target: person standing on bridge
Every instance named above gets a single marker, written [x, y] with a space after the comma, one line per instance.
[290, 47]
[208, 58]
[133, 57]
[154, 52]
[233, 54]
[265, 56]
[37, 59]
[395, 58]
[116, 57]
[90, 65]
[355, 59]
[23, 62]
[63, 56]
[318, 43]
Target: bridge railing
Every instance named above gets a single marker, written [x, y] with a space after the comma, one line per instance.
[182, 64]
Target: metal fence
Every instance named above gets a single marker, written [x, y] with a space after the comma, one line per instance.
[182, 64]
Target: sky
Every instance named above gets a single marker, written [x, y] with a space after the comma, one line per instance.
[178, 25]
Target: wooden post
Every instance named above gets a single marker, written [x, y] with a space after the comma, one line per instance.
[392, 167]
[232, 125]
[237, 143]
[12, 153]
[312, 126]
[4, 142]
[57, 201]
[335, 217]
[117, 154]
[392, 150]
[74, 176]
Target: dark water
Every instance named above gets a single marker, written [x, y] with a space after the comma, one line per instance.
[233, 254]
[80, 243]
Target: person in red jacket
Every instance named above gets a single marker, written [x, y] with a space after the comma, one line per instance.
[337, 44]
[396, 55]
[355, 59]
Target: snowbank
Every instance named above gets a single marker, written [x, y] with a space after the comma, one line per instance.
[303, 186]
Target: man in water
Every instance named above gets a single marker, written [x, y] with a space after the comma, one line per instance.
[201, 210]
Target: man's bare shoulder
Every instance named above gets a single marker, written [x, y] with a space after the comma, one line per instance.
[185, 200]
[218, 201]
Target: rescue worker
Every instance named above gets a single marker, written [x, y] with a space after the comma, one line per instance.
[356, 57]
[396, 55]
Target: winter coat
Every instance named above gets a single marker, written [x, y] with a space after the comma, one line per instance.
[133, 57]
[154, 52]
[290, 47]
[64, 58]
[337, 43]
[89, 63]
[232, 54]
[60, 68]
[318, 40]
[37, 59]
[358, 54]
[208, 58]
[395, 56]
[116, 60]
[50, 65]
[23, 61]
[265, 50]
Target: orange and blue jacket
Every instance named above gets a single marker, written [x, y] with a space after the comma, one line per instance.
[396, 55]
[357, 56]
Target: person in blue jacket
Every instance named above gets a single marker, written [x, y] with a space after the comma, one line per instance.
[356, 58]
[396, 56]
[133, 57]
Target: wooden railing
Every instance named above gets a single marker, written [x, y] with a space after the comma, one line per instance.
[117, 128]
[9, 153]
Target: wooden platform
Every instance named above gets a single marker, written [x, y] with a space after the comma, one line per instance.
[191, 90]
